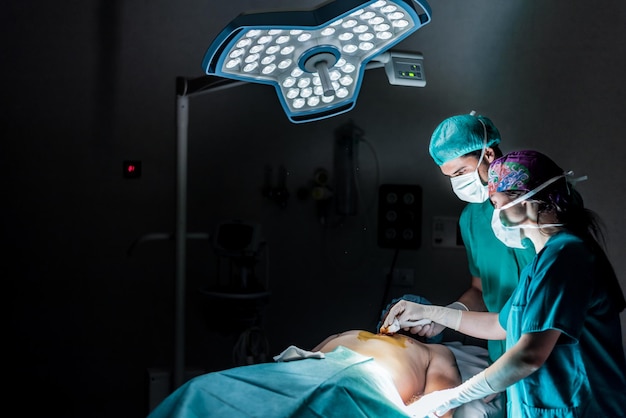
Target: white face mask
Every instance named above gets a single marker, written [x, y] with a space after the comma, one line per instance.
[511, 236]
[469, 187]
[510, 233]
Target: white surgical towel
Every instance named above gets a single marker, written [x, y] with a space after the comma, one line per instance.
[294, 353]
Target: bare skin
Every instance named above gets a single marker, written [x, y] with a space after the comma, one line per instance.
[416, 368]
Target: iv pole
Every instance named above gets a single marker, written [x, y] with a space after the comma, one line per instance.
[185, 88]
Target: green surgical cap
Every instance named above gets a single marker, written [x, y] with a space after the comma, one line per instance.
[460, 135]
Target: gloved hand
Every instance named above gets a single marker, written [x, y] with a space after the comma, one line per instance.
[434, 329]
[441, 401]
[433, 337]
[407, 314]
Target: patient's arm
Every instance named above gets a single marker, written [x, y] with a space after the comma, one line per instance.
[442, 371]
[323, 343]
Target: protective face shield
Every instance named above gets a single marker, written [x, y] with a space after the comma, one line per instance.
[469, 187]
[507, 225]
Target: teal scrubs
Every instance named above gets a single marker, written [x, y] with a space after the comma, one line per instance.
[585, 375]
[497, 265]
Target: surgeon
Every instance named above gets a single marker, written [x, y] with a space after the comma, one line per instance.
[463, 146]
[561, 325]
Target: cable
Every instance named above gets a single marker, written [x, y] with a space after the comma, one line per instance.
[383, 304]
[368, 208]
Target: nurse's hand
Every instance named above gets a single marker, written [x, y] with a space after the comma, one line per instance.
[405, 315]
[434, 404]
[412, 317]
[441, 401]
[429, 330]
[433, 329]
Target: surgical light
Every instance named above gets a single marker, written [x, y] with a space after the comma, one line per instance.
[316, 59]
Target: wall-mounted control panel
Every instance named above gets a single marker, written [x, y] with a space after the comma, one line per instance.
[400, 216]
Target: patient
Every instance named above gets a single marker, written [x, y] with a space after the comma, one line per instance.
[360, 374]
[415, 368]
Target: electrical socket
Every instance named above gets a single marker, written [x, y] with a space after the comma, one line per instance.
[403, 277]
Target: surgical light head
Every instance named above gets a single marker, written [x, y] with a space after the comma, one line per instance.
[315, 59]
[462, 134]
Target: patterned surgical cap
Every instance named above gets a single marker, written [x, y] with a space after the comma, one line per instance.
[521, 170]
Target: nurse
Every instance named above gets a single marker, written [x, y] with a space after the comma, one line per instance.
[463, 146]
[564, 354]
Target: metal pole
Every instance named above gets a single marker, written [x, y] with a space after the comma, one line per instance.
[182, 123]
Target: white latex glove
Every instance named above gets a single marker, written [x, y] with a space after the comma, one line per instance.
[396, 325]
[433, 329]
[441, 401]
[407, 314]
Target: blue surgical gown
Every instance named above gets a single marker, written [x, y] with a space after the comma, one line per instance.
[585, 375]
[497, 265]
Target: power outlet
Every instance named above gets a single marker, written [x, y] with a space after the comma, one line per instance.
[404, 277]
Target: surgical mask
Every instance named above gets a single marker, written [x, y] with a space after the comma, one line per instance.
[469, 187]
[510, 232]
[511, 235]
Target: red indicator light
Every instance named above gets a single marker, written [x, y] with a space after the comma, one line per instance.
[132, 169]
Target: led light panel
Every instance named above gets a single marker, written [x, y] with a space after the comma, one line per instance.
[315, 59]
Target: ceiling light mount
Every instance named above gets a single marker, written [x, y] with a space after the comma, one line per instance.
[318, 62]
